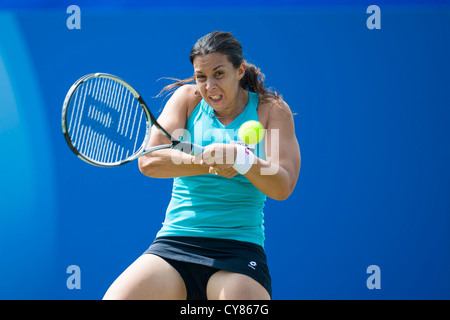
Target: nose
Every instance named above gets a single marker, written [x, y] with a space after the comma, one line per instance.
[210, 83]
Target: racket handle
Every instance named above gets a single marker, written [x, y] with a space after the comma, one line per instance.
[190, 148]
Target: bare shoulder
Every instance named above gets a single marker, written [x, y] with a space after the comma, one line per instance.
[274, 110]
[182, 101]
[186, 97]
[187, 93]
[185, 90]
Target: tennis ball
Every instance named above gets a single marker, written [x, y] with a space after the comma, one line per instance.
[251, 132]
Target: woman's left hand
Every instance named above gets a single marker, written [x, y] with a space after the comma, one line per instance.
[219, 157]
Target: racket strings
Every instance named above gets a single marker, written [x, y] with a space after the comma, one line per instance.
[106, 123]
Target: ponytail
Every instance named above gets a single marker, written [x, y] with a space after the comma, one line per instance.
[173, 86]
[253, 81]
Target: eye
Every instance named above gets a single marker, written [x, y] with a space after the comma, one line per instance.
[200, 77]
[219, 73]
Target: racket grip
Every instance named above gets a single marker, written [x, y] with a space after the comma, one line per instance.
[196, 149]
[191, 148]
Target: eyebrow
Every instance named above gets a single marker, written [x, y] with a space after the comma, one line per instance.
[218, 67]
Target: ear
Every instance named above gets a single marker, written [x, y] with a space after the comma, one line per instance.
[241, 71]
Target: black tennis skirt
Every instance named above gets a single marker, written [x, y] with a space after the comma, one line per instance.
[188, 254]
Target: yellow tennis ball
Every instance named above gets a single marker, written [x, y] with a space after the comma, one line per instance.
[251, 132]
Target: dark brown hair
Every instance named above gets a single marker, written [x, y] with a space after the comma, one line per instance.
[226, 43]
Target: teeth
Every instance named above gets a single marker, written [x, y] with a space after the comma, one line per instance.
[216, 97]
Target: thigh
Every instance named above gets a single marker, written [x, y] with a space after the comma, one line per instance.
[225, 285]
[149, 277]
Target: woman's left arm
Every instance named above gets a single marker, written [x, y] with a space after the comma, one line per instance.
[277, 175]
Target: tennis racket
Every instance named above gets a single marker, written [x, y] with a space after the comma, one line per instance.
[107, 123]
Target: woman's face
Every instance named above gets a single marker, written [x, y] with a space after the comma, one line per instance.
[218, 80]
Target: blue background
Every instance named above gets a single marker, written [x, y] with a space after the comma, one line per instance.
[372, 120]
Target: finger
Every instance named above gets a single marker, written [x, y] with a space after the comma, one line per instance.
[222, 166]
[208, 157]
[229, 174]
[203, 159]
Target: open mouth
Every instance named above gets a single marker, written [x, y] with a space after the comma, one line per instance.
[216, 98]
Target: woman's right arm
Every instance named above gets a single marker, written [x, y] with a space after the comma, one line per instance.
[169, 163]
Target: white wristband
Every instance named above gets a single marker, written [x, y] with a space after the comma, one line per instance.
[244, 159]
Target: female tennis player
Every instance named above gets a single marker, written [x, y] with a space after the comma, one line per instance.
[211, 245]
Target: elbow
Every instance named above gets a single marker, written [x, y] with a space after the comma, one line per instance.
[148, 166]
[281, 193]
[284, 189]
[284, 196]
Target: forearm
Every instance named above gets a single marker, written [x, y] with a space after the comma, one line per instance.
[275, 177]
[169, 163]
[271, 179]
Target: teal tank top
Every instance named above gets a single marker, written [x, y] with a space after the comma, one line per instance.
[210, 205]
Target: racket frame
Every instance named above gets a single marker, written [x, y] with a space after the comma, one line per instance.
[150, 119]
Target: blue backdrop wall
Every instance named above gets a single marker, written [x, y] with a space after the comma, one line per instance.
[372, 110]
